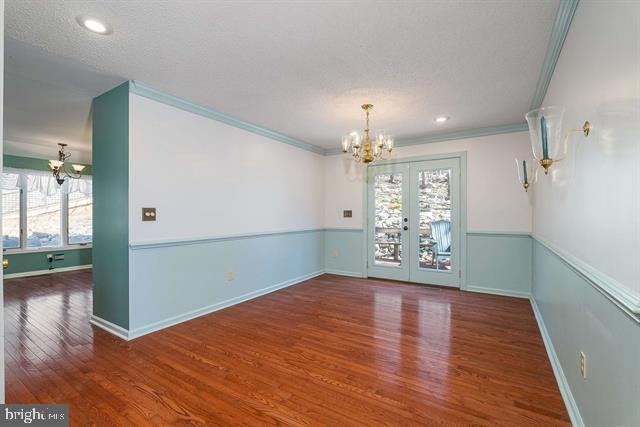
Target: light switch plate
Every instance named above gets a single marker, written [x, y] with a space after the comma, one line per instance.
[148, 214]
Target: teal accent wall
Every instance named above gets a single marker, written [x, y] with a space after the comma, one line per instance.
[36, 261]
[343, 251]
[111, 206]
[499, 263]
[20, 162]
[575, 316]
[171, 284]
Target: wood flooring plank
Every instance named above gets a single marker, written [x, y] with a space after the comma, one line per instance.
[330, 351]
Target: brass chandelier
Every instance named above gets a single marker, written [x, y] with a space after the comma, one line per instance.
[362, 148]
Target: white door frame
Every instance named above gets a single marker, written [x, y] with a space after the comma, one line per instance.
[462, 156]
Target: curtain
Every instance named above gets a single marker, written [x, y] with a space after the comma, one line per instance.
[10, 181]
[44, 182]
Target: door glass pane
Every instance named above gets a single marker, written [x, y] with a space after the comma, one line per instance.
[388, 202]
[434, 207]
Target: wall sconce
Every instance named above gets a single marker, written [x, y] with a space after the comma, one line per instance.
[527, 174]
[545, 130]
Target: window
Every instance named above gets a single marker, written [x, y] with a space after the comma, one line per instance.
[39, 213]
[80, 217]
[43, 214]
[10, 211]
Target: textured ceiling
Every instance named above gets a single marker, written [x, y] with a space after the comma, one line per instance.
[298, 68]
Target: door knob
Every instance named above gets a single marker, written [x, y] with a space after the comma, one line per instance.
[5, 263]
[405, 228]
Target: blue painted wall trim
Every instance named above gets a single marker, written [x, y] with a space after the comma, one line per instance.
[561, 379]
[148, 92]
[576, 316]
[564, 16]
[202, 240]
[622, 297]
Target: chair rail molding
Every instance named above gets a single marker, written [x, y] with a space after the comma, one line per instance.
[624, 298]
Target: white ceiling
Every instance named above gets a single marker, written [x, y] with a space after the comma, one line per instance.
[298, 68]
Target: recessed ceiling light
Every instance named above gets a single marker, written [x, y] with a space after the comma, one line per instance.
[442, 119]
[93, 25]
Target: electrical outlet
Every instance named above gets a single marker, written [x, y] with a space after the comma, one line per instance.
[231, 276]
[335, 253]
[583, 365]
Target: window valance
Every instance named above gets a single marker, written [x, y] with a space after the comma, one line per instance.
[44, 182]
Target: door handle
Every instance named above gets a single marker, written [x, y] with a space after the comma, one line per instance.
[405, 228]
[5, 263]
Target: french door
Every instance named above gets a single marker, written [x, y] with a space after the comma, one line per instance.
[414, 222]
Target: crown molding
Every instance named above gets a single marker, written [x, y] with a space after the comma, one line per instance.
[148, 92]
[462, 134]
[561, 25]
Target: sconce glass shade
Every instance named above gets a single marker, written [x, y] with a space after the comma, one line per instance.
[55, 164]
[356, 139]
[527, 173]
[389, 143]
[545, 130]
[381, 138]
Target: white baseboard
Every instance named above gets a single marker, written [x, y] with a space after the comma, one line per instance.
[343, 273]
[112, 328]
[563, 384]
[156, 326]
[493, 291]
[43, 272]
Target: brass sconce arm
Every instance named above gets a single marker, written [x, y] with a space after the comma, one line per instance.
[585, 129]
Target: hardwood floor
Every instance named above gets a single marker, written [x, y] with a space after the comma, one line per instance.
[332, 351]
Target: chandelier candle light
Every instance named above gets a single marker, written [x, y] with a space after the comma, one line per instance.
[58, 166]
[362, 148]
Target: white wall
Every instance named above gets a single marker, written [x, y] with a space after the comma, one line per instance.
[589, 205]
[495, 201]
[208, 179]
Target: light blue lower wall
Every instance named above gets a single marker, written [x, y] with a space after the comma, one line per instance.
[173, 283]
[344, 251]
[499, 263]
[575, 317]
